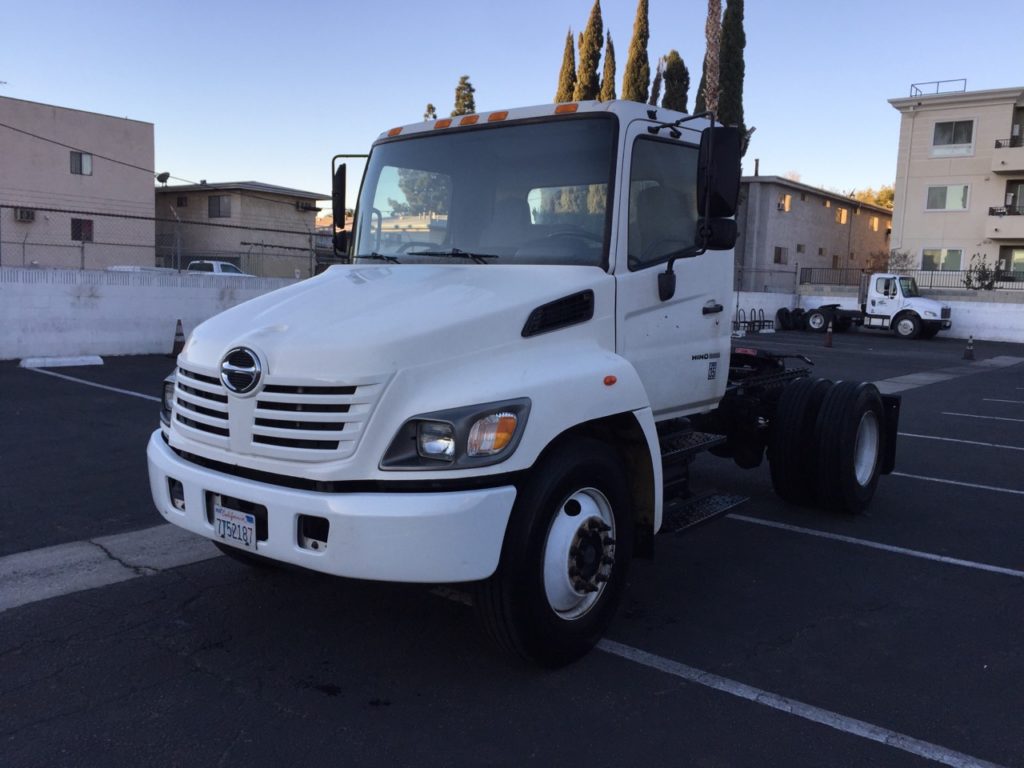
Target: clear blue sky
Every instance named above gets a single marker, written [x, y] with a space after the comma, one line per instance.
[269, 91]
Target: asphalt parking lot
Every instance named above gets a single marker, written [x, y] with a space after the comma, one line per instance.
[773, 636]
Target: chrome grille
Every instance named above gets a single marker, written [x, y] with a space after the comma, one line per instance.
[945, 313]
[201, 407]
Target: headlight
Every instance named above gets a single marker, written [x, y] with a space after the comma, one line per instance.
[929, 314]
[474, 436]
[167, 402]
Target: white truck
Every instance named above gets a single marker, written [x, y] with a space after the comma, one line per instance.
[886, 301]
[525, 352]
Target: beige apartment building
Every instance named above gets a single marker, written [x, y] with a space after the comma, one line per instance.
[960, 178]
[71, 185]
[785, 225]
[263, 229]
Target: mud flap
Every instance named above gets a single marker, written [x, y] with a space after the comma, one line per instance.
[891, 408]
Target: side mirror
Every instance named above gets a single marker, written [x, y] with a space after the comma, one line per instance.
[718, 172]
[338, 209]
[716, 234]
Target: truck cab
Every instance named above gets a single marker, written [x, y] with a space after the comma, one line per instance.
[891, 301]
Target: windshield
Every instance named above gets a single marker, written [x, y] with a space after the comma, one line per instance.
[532, 193]
[909, 287]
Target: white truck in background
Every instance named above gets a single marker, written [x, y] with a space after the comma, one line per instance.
[885, 302]
[510, 377]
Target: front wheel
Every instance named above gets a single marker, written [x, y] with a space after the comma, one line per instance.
[817, 320]
[565, 557]
[907, 326]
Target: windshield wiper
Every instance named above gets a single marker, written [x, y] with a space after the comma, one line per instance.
[378, 257]
[456, 253]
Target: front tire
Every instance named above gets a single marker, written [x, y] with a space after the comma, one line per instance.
[565, 557]
[907, 326]
[817, 321]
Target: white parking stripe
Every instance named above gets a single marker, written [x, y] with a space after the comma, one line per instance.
[967, 442]
[994, 400]
[94, 384]
[957, 482]
[878, 545]
[976, 416]
[818, 715]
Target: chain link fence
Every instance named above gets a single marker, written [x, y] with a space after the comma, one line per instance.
[87, 239]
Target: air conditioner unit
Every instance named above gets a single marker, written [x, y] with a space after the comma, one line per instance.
[24, 214]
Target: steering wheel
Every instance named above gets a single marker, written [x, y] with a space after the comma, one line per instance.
[405, 247]
[575, 232]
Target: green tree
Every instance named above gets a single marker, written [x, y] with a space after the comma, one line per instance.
[465, 104]
[587, 83]
[637, 77]
[734, 40]
[883, 196]
[567, 76]
[430, 113]
[707, 94]
[608, 76]
[659, 72]
[700, 104]
[677, 82]
[424, 193]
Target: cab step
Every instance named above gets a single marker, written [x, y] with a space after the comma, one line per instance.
[683, 514]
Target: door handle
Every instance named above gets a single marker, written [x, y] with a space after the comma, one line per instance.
[711, 309]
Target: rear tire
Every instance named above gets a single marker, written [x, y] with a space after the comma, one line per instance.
[784, 319]
[791, 444]
[817, 321]
[565, 557]
[849, 440]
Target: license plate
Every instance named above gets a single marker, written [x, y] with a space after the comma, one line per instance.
[234, 527]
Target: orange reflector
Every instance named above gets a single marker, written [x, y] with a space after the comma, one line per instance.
[394, 131]
[469, 120]
[496, 116]
[609, 380]
[443, 123]
[563, 109]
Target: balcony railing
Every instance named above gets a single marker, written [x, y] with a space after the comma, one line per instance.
[1006, 210]
[1010, 143]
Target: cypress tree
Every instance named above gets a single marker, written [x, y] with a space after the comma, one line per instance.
[637, 78]
[734, 40]
[465, 104]
[677, 82]
[567, 76]
[430, 113]
[608, 77]
[656, 84]
[708, 92]
[699, 102]
[587, 83]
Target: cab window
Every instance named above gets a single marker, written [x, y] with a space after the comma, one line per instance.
[662, 201]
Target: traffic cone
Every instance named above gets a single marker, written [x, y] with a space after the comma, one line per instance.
[179, 341]
[828, 335]
[969, 351]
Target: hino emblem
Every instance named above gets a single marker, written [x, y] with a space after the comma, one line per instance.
[240, 370]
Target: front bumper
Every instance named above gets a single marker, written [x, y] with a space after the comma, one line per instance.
[433, 537]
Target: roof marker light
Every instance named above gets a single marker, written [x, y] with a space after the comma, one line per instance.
[469, 120]
[564, 109]
[394, 131]
[496, 116]
[609, 381]
[443, 122]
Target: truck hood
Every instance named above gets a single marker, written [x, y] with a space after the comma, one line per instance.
[357, 320]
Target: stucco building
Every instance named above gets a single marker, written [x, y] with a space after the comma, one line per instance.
[785, 225]
[261, 228]
[960, 178]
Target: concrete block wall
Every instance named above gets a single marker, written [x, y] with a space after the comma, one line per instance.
[57, 312]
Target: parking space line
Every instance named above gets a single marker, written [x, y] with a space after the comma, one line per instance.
[818, 715]
[958, 482]
[878, 545]
[94, 384]
[994, 400]
[977, 416]
[967, 442]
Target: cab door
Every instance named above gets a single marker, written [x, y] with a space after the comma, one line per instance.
[882, 301]
[679, 347]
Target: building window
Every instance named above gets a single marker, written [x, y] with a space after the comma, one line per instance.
[827, 203]
[801, 248]
[785, 201]
[953, 138]
[841, 215]
[182, 202]
[837, 261]
[1011, 259]
[81, 163]
[220, 206]
[803, 197]
[941, 259]
[81, 230]
[821, 251]
[874, 223]
[781, 255]
[951, 197]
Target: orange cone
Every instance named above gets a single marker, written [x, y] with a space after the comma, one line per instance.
[179, 341]
[828, 335]
[969, 351]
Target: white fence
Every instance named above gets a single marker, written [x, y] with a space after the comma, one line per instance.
[62, 312]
